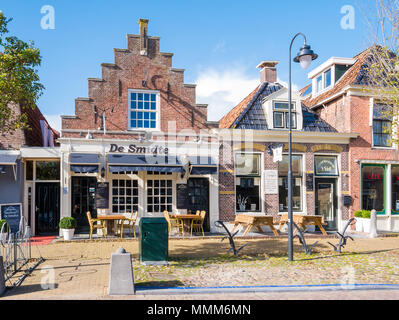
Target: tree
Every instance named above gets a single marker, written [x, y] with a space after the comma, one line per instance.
[19, 82]
[382, 66]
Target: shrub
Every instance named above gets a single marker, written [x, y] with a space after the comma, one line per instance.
[67, 223]
[358, 213]
[3, 221]
[366, 214]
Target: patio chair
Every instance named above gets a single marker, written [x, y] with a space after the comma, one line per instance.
[197, 223]
[93, 225]
[128, 223]
[174, 223]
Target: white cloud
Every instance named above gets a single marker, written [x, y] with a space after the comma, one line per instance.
[223, 90]
[54, 120]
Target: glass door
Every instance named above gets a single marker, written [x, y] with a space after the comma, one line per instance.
[326, 202]
[47, 207]
[83, 199]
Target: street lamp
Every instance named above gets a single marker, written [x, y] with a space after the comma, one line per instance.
[305, 58]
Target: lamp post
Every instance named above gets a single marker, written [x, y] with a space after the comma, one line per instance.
[305, 58]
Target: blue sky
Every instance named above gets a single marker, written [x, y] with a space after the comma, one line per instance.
[219, 43]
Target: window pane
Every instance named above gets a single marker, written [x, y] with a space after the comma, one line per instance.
[326, 165]
[319, 83]
[29, 170]
[373, 188]
[247, 194]
[327, 78]
[47, 170]
[133, 104]
[247, 164]
[133, 96]
[293, 117]
[395, 188]
[278, 119]
[296, 194]
[296, 166]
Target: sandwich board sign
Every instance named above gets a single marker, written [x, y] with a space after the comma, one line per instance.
[12, 214]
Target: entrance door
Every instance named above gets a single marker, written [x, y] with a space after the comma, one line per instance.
[198, 198]
[47, 209]
[83, 199]
[326, 202]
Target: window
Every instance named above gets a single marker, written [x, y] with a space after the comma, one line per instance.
[395, 188]
[326, 165]
[247, 182]
[159, 196]
[47, 170]
[373, 194]
[280, 115]
[327, 78]
[296, 183]
[125, 195]
[143, 109]
[382, 125]
[319, 83]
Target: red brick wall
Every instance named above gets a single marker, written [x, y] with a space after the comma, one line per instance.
[178, 101]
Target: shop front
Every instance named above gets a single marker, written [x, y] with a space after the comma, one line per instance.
[117, 177]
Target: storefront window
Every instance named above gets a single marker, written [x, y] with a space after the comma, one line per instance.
[247, 181]
[395, 189]
[125, 195]
[29, 170]
[47, 170]
[159, 196]
[373, 194]
[296, 183]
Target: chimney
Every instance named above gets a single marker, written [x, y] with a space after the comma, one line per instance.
[143, 23]
[268, 72]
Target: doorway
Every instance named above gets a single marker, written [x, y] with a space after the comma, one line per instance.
[47, 201]
[326, 202]
[84, 191]
[198, 198]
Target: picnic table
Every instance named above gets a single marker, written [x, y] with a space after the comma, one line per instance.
[186, 219]
[253, 221]
[303, 220]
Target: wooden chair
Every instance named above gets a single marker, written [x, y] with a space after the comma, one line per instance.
[128, 223]
[93, 225]
[197, 223]
[174, 223]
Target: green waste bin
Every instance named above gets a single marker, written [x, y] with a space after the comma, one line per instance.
[153, 244]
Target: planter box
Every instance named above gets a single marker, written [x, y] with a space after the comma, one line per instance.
[366, 225]
[68, 234]
[359, 224]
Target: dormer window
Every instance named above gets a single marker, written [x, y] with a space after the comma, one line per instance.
[323, 81]
[281, 114]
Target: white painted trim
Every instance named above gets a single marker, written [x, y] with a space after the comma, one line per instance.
[329, 63]
[158, 110]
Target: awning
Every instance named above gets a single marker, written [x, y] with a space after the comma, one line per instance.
[8, 159]
[202, 165]
[84, 162]
[133, 162]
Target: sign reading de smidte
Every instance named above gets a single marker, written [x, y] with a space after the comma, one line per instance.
[155, 149]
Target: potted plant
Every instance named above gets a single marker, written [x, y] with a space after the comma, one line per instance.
[4, 228]
[242, 201]
[67, 226]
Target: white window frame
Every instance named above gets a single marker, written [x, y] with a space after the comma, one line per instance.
[285, 114]
[157, 111]
[393, 134]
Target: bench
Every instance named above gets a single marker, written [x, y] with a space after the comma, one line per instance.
[253, 221]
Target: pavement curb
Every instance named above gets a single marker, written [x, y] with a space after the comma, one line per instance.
[254, 289]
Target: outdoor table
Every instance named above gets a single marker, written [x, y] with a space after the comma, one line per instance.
[187, 218]
[253, 221]
[111, 219]
[303, 220]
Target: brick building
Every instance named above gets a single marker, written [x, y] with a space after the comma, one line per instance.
[341, 95]
[13, 166]
[251, 182]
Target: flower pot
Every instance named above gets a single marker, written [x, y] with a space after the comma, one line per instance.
[242, 207]
[253, 206]
[359, 224]
[68, 234]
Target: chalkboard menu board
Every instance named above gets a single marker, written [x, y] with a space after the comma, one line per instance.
[12, 214]
[309, 182]
[182, 196]
[102, 196]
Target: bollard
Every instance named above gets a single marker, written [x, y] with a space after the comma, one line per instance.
[2, 279]
[121, 278]
[373, 224]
